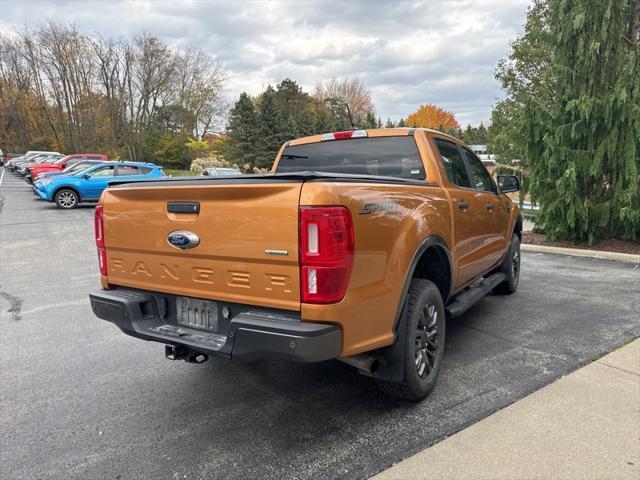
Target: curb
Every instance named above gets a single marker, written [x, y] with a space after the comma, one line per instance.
[578, 252]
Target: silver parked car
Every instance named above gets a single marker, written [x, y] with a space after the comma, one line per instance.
[219, 171]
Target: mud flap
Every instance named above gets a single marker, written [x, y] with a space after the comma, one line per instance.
[391, 358]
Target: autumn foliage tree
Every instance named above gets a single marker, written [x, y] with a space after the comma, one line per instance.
[432, 116]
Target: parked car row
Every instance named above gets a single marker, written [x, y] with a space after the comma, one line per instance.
[69, 180]
[33, 156]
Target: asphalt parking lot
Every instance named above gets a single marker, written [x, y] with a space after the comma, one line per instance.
[79, 399]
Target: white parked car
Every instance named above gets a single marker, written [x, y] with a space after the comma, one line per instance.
[218, 171]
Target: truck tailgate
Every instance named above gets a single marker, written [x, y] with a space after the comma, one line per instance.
[248, 240]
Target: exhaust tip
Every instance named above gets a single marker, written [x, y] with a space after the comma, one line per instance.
[363, 362]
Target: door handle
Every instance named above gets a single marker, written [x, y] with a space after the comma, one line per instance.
[489, 206]
[463, 205]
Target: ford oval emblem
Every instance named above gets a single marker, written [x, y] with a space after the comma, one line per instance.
[183, 239]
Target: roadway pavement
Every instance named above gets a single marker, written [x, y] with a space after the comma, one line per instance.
[79, 399]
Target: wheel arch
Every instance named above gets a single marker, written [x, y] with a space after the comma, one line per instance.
[435, 264]
[430, 256]
[517, 226]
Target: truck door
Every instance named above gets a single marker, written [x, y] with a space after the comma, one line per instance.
[495, 222]
[468, 212]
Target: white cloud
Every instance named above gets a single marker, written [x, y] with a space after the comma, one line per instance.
[407, 53]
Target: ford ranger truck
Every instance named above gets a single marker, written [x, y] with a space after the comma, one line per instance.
[356, 246]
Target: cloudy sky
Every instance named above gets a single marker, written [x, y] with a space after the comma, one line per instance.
[407, 53]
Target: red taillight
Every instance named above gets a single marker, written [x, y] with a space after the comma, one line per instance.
[326, 253]
[342, 135]
[99, 229]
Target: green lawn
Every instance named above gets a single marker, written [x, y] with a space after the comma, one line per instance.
[176, 173]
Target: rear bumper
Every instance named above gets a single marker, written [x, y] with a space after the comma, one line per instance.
[248, 334]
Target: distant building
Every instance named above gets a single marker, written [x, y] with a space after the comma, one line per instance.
[483, 154]
[213, 137]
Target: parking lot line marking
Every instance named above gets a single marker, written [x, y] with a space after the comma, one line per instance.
[2, 176]
[74, 303]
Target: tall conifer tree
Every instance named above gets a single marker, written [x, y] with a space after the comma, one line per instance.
[583, 148]
[242, 132]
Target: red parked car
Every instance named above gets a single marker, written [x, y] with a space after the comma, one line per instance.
[59, 165]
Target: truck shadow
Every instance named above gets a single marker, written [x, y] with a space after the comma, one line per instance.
[299, 406]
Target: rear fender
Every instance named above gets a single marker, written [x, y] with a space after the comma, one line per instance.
[391, 358]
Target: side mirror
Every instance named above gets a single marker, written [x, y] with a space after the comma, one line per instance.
[205, 172]
[508, 183]
[86, 176]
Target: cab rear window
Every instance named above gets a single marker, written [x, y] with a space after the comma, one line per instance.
[379, 156]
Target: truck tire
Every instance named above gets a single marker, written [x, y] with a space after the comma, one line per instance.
[66, 198]
[511, 268]
[423, 342]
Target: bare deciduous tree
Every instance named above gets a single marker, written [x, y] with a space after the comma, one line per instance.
[351, 91]
[77, 92]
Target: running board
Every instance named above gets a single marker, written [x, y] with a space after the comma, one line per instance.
[466, 299]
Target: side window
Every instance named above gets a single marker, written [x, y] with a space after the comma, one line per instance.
[453, 163]
[481, 178]
[103, 172]
[127, 170]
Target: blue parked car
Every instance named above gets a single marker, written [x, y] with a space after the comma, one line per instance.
[87, 185]
[70, 170]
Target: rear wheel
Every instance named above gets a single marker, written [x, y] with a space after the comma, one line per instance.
[66, 198]
[511, 268]
[424, 342]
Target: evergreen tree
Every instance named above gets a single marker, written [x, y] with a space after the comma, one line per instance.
[584, 147]
[389, 124]
[504, 137]
[242, 130]
[307, 123]
[452, 131]
[379, 124]
[481, 134]
[402, 123]
[291, 129]
[291, 100]
[369, 121]
[258, 128]
[272, 128]
[324, 121]
[524, 74]
[474, 135]
[467, 136]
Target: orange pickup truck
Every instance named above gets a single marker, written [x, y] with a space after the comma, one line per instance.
[356, 246]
